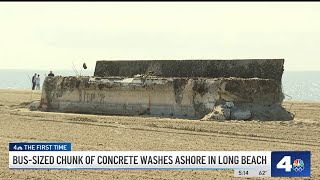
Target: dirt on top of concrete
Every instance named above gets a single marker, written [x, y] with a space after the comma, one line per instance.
[247, 68]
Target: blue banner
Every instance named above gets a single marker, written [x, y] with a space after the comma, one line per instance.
[39, 146]
[290, 164]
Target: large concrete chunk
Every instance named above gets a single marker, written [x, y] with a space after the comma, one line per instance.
[249, 68]
[193, 89]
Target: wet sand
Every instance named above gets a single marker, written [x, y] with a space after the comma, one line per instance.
[104, 133]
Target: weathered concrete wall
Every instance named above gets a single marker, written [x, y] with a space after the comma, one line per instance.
[178, 97]
[249, 68]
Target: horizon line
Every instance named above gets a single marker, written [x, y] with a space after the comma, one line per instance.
[94, 69]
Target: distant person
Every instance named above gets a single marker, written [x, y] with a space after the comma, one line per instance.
[38, 82]
[34, 81]
[50, 74]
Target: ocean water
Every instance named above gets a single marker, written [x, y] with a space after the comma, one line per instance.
[297, 85]
[21, 79]
[301, 85]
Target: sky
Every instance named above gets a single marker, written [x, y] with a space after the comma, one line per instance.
[56, 35]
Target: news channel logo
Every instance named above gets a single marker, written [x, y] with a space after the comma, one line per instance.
[290, 164]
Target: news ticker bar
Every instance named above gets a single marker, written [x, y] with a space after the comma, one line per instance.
[244, 163]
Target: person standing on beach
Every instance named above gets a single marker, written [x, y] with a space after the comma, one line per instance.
[34, 81]
[50, 74]
[38, 82]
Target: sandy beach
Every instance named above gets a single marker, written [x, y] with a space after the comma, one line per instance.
[120, 133]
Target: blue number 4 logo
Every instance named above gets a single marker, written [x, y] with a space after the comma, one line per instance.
[285, 163]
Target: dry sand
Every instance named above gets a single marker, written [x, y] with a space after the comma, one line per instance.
[104, 133]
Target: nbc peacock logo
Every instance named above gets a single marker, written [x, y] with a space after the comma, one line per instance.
[298, 165]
